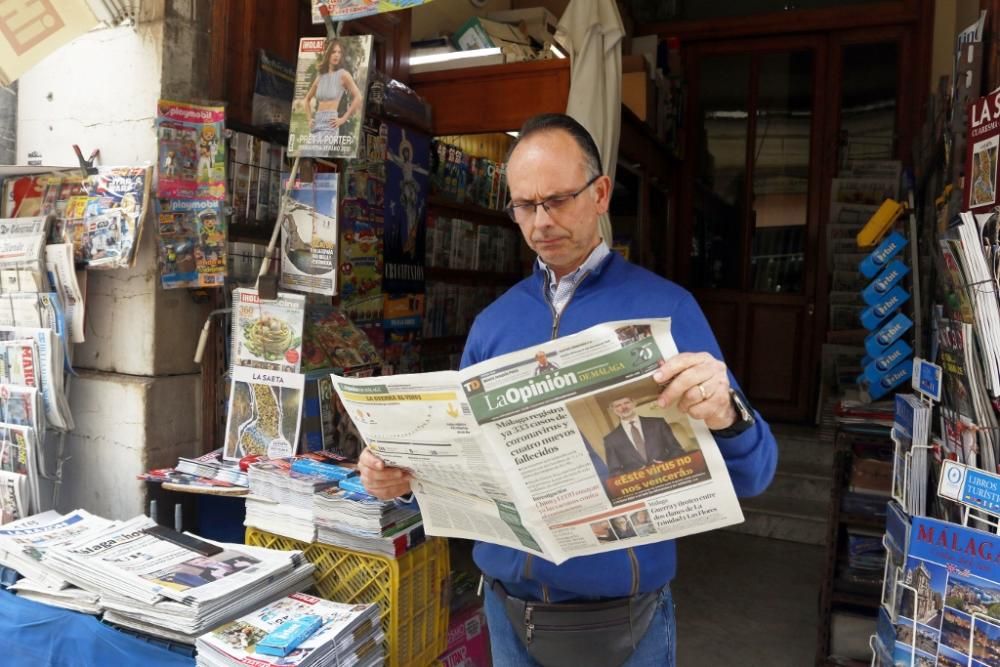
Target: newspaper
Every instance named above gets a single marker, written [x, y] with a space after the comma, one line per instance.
[22, 254]
[23, 543]
[63, 278]
[130, 560]
[14, 496]
[32, 357]
[526, 450]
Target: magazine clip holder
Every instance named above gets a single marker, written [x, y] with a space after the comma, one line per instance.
[967, 515]
[87, 165]
[972, 627]
[902, 496]
[891, 602]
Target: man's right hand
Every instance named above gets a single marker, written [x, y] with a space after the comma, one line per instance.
[382, 481]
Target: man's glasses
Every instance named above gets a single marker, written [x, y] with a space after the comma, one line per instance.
[523, 213]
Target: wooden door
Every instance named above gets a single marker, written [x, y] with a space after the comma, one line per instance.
[752, 212]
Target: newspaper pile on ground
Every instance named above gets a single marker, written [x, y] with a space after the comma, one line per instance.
[170, 584]
[281, 493]
[349, 518]
[349, 635]
[528, 449]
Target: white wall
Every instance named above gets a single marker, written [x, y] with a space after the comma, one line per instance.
[136, 403]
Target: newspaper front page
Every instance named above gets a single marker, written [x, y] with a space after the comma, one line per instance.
[559, 450]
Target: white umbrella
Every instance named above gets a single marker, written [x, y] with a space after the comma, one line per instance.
[32, 30]
[591, 32]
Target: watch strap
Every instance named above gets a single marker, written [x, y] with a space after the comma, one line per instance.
[744, 416]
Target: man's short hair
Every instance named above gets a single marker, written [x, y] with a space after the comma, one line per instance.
[559, 121]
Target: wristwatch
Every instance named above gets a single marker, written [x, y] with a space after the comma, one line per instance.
[744, 416]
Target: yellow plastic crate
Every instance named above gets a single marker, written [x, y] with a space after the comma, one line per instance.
[411, 591]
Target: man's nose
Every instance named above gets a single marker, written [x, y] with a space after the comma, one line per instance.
[542, 217]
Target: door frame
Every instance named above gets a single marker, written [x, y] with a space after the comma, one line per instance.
[744, 299]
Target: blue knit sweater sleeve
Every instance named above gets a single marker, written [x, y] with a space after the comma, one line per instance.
[752, 456]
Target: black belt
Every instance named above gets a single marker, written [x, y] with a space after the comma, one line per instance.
[578, 633]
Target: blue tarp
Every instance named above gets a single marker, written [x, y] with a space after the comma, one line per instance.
[34, 634]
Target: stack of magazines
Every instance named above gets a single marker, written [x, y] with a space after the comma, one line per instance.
[212, 465]
[174, 585]
[349, 635]
[348, 517]
[282, 490]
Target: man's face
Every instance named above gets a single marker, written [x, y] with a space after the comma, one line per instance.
[624, 408]
[540, 358]
[547, 164]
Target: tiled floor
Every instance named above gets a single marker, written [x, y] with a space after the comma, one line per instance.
[746, 601]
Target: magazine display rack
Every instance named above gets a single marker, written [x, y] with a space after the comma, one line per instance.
[411, 591]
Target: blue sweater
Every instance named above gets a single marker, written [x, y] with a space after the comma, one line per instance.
[616, 290]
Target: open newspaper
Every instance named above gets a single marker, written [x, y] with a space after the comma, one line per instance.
[529, 449]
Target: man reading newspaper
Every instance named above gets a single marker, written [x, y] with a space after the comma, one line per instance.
[611, 606]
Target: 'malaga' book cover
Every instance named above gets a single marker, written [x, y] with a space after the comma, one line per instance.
[954, 617]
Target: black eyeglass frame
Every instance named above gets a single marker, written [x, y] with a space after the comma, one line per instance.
[511, 208]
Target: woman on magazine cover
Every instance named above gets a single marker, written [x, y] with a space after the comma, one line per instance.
[332, 79]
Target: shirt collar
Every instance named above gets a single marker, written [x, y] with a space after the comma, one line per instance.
[593, 260]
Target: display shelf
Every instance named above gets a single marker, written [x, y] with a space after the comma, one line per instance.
[443, 341]
[478, 213]
[862, 521]
[470, 276]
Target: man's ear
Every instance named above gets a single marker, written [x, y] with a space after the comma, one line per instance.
[602, 194]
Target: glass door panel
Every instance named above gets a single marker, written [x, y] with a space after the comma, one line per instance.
[781, 171]
[720, 188]
[869, 89]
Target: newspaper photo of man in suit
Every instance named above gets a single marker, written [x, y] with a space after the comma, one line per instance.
[638, 441]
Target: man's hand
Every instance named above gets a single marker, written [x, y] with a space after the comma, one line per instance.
[382, 481]
[699, 384]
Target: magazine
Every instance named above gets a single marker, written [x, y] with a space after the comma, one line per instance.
[309, 236]
[105, 224]
[21, 406]
[22, 254]
[267, 334]
[332, 341]
[265, 411]
[948, 593]
[345, 10]
[192, 154]
[980, 184]
[192, 243]
[331, 81]
[344, 626]
[362, 230]
[528, 449]
[408, 159]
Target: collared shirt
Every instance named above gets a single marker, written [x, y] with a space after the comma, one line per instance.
[627, 427]
[560, 290]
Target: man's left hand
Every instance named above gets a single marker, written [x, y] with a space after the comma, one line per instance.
[699, 384]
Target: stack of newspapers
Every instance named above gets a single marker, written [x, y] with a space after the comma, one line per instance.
[281, 494]
[170, 584]
[348, 517]
[24, 542]
[349, 635]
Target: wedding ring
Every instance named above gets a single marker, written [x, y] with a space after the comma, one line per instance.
[704, 395]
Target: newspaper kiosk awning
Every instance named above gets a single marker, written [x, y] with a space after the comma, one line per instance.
[32, 29]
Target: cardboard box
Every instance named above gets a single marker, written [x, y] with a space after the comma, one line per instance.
[468, 640]
[479, 33]
[637, 89]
